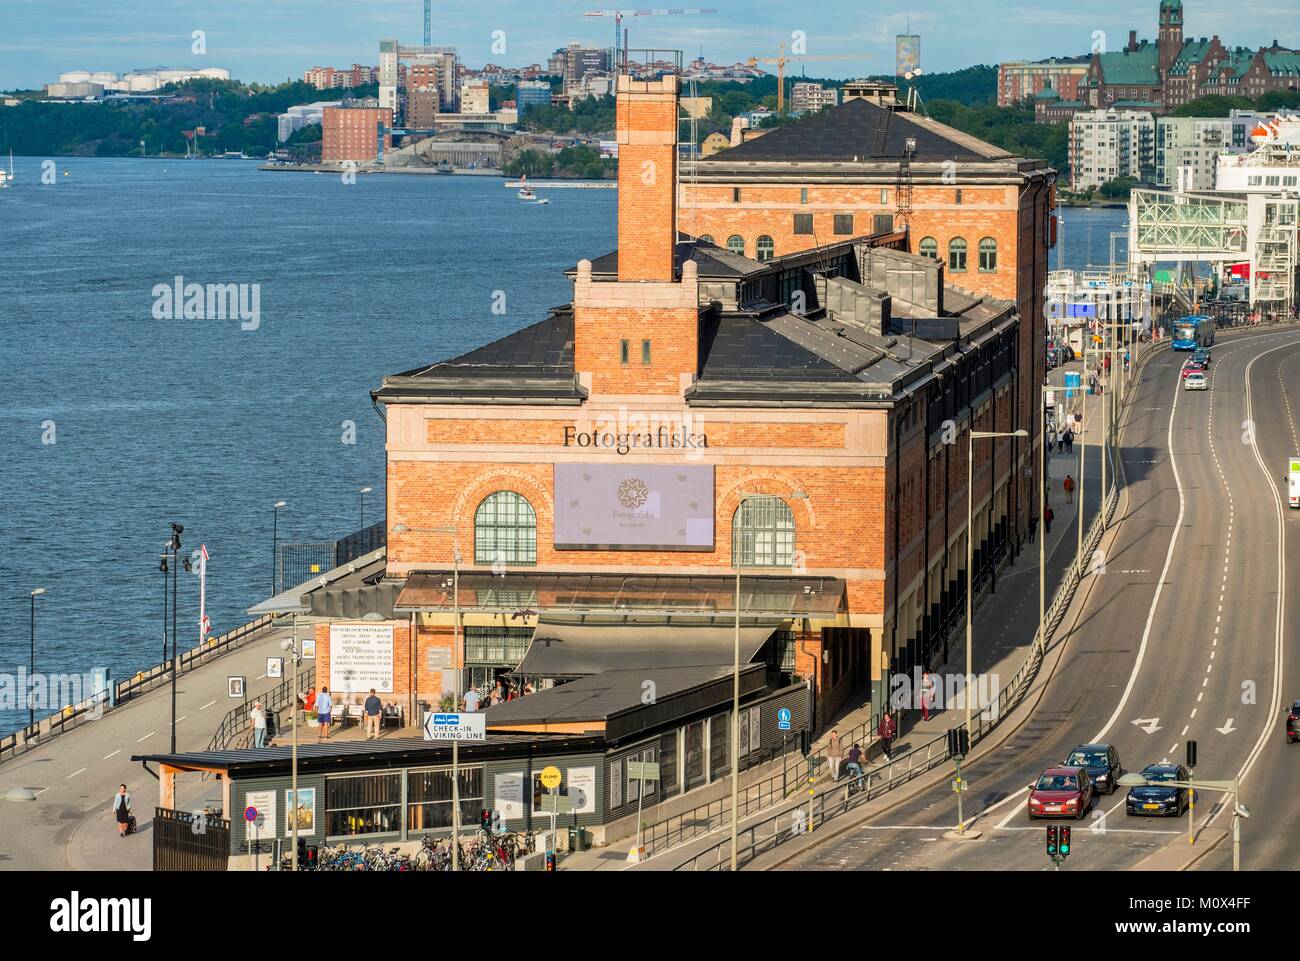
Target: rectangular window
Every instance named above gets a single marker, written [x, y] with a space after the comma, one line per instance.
[615, 782]
[695, 770]
[803, 223]
[884, 195]
[844, 224]
[634, 783]
[735, 195]
[496, 646]
[719, 749]
[882, 223]
[668, 764]
[959, 195]
[623, 352]
[645, 352]
[365, 804]
[803, 195]
[428, 798]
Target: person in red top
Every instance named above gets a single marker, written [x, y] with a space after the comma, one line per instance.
[887, 730]
[1068, 484]
[309, 700]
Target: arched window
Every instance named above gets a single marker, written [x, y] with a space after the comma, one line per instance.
[762, 533]
[988, 255]
[766, 247]
[736, 244]
[957, 254]
[706, 238]
[505, 530]
[930, 248]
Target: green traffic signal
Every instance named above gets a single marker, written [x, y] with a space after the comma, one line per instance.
[1065, 842]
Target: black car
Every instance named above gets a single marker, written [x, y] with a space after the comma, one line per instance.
[1157, 801]
[1101, 762]
[1293, 724]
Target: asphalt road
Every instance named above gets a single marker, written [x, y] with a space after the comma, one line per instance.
[1181, 636]
[69, 826]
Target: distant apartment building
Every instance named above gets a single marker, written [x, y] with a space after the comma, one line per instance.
[1188, 148]
[532, 93]
[812, 97]
[330, 78]
[575, 62]
[422, 107]
[475, 97]
[1106, 144]
[1021, 79]
[1049, 107]
[436, 70]
[360, 134]
[304, 115]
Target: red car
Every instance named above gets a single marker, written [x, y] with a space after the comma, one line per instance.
[1061, 792]
[1293, 723]
[1192, 365]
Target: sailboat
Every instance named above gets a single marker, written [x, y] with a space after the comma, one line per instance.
[7, 178]
[526, 192]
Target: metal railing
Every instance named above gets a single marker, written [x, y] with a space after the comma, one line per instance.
[94, 707]
[235, 730]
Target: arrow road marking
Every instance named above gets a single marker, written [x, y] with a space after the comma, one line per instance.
[1227, 728]
[1148, 724]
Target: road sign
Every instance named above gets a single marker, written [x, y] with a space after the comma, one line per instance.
[642, 770]
[783, 719]
[550, 777]
[556, 804]
[467, 726]
[250, 814]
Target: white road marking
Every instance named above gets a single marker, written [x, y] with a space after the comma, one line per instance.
[149, 735]
[74, 774]
[181, 718]
[114, 754]
[208, 705]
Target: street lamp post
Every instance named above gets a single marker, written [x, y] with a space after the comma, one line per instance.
[291, 646]
[971, 437]
[175, 543]
[1232, 787]
[31, 671]
[275, 532]
[363, 492]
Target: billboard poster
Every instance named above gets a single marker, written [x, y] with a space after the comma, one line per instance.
[637, 507]
[361, 657]
[582, 789]
[509, 793]
[261, 825]
[304, 811]
[907, 47]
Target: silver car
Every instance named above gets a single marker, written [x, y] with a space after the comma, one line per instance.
[1195, 381]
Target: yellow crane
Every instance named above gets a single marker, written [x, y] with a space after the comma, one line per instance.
[782, 60]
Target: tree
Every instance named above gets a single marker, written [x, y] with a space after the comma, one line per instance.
[1212, 106]
[1117, 189]
[531, 163]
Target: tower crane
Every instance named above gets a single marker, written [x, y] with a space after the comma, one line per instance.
[781, 60]
[618, 16]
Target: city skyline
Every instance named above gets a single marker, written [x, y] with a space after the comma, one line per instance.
[247, 39]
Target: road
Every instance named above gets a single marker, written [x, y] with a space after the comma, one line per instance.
[1181, 635]
[69, 826]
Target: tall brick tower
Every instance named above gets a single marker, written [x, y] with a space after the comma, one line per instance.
[640, 335]
[1170, 40]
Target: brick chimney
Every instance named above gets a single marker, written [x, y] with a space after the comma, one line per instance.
[645, 127]
[639, 336]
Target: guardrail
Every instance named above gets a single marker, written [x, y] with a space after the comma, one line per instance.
[234, 731]
[838, 799]
[94, 707]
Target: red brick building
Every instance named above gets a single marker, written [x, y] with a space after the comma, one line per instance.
[695, 412]
[359, 134]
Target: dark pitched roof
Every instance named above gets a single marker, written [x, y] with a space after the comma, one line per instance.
[859, 129]
[713, 262]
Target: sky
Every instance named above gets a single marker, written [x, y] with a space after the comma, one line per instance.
[270, 41]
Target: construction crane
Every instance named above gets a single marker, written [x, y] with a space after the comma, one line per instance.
[618, 15]
[782, 60]
[428, 23]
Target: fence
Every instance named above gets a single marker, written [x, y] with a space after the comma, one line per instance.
[92, 708]
[837, 799]
[189, 842]
[298, 563]
[234, 730]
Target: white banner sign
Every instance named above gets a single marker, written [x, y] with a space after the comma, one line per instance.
[509, 792]
[262, 827]
[361, 657]
[582, 789]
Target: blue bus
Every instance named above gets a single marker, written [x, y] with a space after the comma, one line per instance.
[1193, 333]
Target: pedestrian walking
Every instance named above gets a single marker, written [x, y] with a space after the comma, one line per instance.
[1048, 515]
[472, 699]
[257, 717]
[834, 754]
[1068, 484]
[122, 811]
[372, 709]
[1060, 441]
[927, 695]
[1069, 441]
[324, 705]
[886, 731]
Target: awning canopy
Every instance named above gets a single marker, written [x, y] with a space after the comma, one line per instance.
[577, 648]
[539, 592]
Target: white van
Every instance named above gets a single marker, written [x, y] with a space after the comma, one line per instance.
[1293, 499]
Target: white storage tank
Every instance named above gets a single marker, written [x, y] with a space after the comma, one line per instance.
[75, 76]
[103, 76]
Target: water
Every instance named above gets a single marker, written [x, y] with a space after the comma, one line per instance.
[208, 425]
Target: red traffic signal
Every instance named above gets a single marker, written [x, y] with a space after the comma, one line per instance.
[1052, 839]
[550, 860]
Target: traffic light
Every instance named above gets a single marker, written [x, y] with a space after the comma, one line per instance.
[958, 742]
[485, 821]
[1064, 845]
[1191, 754]
[550, 860]
[1051, 840]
